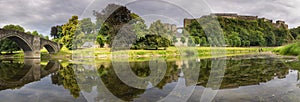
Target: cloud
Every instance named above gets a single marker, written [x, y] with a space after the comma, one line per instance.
[286, 10]
[40, 15]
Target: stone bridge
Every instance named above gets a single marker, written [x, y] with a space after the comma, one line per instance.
[30, 44]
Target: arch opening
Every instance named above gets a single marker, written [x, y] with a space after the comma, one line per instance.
[20, 42]
[50, 49]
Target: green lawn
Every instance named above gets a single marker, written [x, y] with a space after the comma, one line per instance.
[170, 52]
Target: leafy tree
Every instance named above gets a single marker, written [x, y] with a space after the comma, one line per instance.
[114, 17]
[234, 39]
[28, 32]
[160, 33]
[203, 41]
[87, 26]
[56, 32]
[35, 33]
[197, 40]
[138, 29]
[14, 27]
[101, 40]
[68, 31]
[249, 32]
[191, 41]
[182, 40]
[295, 32]
[175, 39]
[46, 37]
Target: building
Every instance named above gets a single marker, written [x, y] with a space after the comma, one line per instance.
[90, 45]
[280, 23]
[171, 27]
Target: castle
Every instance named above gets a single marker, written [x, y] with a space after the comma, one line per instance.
[171, 27]
[277, 24]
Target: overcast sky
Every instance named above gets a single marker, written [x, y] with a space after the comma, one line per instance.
[40, 15]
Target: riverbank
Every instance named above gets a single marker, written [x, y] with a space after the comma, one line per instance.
[292, 50]
[171, 52]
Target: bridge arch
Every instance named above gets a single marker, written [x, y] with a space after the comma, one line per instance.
[21, 42]
[50, 48]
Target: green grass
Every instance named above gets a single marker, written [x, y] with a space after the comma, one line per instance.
[290, 49]
[171, 52]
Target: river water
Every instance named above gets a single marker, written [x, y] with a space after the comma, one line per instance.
[240, 78]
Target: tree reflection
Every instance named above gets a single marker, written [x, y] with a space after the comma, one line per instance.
[239, 72]
[66, 77]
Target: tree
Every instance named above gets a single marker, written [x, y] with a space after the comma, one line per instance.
[203, 41]
[28, 32]
[254, 32]
[191, 41]
[68, 31]
[161, 34]
[182, 40]
[35, 33]
[8, 45]
[235, 40]
[139, 28]
[47, 37]
[87, 26]
[56, 32]
[197, 40]
[175, 39]
[14, 27]
[114, 17]
[101, 40]
[295, 32]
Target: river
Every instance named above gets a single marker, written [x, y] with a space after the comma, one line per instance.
[241, 78]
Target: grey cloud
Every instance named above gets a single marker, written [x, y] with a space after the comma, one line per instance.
[39, 14]
[286, 10]
[42, 14]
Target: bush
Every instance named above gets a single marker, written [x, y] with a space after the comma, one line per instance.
[291, 49]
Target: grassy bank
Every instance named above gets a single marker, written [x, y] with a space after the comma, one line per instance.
[171, 52]
[291, 49]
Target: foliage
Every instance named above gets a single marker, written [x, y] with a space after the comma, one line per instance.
[291, 49]
[182, 40]
[35, 33]
[239, 32]
[101, 40]
[87, 26]
[56, 32]
[158, 36]
[111, 20]
[295, 32]
[68, 31]
[67, 78]
[119, 24]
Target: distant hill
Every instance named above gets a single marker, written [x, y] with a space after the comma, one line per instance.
[240, 30]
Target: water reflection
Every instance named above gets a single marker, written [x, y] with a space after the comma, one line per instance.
[239, 72]
[99, 82]
[14, 74]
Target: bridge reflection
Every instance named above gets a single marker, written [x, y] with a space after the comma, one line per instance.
[14, 74]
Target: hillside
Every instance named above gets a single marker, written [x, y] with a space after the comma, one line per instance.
[240, 31]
